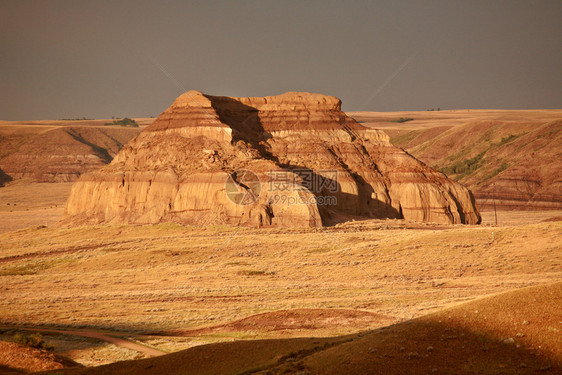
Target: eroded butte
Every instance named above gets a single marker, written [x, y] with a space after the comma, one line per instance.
[175, 170]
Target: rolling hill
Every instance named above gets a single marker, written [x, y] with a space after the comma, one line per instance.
[58, 151]
[512, 158]
[513, 332]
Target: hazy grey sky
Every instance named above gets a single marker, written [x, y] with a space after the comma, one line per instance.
[66, 59]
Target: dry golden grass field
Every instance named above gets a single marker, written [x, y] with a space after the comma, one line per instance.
[169, 287]
[515, 332]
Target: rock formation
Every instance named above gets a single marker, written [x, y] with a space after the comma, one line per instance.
[316, 166]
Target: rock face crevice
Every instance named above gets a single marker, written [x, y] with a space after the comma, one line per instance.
[331, 167]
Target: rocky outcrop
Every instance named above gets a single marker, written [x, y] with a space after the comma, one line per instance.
[312, 166]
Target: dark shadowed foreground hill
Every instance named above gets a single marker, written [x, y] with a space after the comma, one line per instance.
[514, 332]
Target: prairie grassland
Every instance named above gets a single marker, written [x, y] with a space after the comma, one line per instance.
[24, 203]
[169, 277]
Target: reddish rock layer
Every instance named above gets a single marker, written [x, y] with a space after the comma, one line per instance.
[176, 169]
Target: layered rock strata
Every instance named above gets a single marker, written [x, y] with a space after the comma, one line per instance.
[315, 166]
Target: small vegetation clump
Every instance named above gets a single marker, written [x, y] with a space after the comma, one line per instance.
[33, 268]
[495, 172]
[19, 271]
[124, 122]
[502, 168]
[507, 139]
[464, 167]
[253, 273]
[550, 133]
[34, 340]
[402, 119]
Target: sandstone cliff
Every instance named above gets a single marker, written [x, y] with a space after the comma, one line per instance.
[315, 166]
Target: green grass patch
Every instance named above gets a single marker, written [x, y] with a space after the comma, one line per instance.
[494, 173]
[499, 170]
[464, 167]
[489, 134]
[502, 168]
[459, 155]
[124, 122]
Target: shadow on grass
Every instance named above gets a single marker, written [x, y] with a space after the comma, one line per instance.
[4, 178]
[413, 347]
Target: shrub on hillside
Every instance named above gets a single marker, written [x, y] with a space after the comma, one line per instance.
[464, 167]
[34, 340]
[124, 122]
[402, 119]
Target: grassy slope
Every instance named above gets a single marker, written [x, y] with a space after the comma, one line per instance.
[511, 155]
[514, 332]
[502, 151]
[24, 204]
